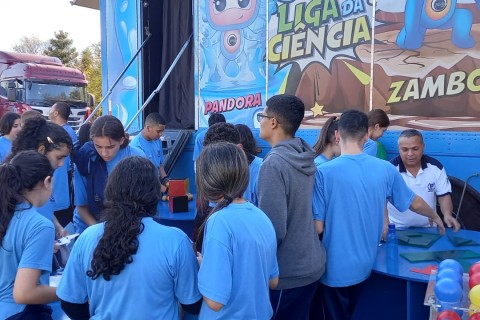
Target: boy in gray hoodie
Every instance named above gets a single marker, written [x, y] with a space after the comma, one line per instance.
[285, 187]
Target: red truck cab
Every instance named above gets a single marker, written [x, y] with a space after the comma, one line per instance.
[36, 82]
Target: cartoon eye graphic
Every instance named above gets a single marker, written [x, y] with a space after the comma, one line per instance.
[220, 5]
[439, 5]
[232, 40]
[243, 3]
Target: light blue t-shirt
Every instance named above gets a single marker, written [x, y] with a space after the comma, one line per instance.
[80, 183]
[370, 147]
[61, 191]
[163, 273]
[350, 198]
[28, 243]
[239, 259]
[320, 159]
[153, 149]
[49, 207]
[5, 148]
[197, 148]
[251, 193]
[71, 133]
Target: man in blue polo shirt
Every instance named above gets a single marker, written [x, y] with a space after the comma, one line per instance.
[148, 140]
[348, 204]
[197, 148]
[426, 176]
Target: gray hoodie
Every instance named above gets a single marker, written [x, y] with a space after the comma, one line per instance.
[285, 188]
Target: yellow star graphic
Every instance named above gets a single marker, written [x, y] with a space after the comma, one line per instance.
[317, 110]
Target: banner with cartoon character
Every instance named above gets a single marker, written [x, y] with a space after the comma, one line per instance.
[231, 67]
[416, 59]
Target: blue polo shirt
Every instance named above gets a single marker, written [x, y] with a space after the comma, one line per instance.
[71, 133]
[251, 193]
[162, 274]
[197, 148]
[153, 149]
[5, 148]
[28, 243]
[320, 159]
[80, 183]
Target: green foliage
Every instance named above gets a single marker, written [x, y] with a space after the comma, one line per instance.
[62, 47]
[90, 62]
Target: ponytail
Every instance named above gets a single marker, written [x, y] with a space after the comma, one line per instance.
[37, 132]
[222, 173]
[22, 173]
[225, 202]
[327, 135]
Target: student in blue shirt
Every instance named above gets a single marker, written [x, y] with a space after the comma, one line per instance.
[197, 148]
[326, 148]
[130, 266]
[249, 146]
[62, 190]
[239, 262]
[378, 123]
[218, 132]
[51, 140]
[9, 127]
[94, 162]
[350, 204]
[148, 140]
[59, 114]
[26, 238]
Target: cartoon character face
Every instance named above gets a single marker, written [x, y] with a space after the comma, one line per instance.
[230, 14]
[437, 9]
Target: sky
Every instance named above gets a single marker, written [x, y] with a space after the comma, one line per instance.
[44, 17]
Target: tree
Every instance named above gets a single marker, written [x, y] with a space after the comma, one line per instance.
[90, 62]
[32, 45]
[62, 47]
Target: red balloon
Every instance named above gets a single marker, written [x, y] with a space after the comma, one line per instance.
[448, 315]
[474, 268]
[475, 316]
[474, 280]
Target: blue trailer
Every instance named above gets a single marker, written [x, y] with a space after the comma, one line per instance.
[187, 59]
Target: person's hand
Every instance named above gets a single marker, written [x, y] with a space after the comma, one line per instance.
[163, 189]
[199, 258]
[451, 222]
[62, 233]
[56, 247]
[385, 230]
[439, 223]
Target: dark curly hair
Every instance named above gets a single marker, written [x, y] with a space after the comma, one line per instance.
[22, 173]
[248, 141]
[37, 132]
[132, 192]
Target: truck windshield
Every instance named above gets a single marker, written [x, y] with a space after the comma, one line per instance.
[48, 93]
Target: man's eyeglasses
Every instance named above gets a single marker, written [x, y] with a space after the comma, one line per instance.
[261, 115]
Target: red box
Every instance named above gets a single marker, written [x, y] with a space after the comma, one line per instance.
[178, 204]
[178, 187]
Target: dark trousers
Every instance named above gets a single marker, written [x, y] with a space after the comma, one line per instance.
[339, 303]
[34, 312]
[293, 303]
